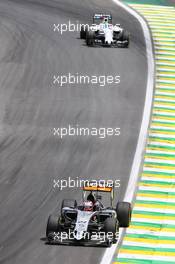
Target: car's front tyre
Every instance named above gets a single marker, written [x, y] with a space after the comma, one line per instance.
[83, 32]
[125, 39]
[90, 38]
[111, 228]
[52, 225]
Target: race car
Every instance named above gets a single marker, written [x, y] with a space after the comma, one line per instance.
[91, 222]
[102, 32]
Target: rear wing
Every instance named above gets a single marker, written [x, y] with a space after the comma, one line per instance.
[101, 16]
[100, 186]
[96, 186]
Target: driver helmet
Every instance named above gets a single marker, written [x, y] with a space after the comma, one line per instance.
[105, 20]
[88, 206]
[97, 206]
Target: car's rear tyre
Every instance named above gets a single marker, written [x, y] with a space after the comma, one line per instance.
[123, 210]
[52, 224]
[90, 38]
[69, 203]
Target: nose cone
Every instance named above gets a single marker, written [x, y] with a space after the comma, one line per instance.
[78, 235]
[108, 36]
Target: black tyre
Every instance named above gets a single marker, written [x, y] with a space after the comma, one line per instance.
[52, 224]
[123, 210]
[69, 203]
[125, 37]
[111, 226]
[83, 32]
[108, 243]
[90, 38]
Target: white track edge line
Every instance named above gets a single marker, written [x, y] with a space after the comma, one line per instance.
[109, 253]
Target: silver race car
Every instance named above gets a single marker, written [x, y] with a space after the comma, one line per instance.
[102, 32]
[91, 222]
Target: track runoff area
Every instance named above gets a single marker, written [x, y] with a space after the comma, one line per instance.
[151, 236]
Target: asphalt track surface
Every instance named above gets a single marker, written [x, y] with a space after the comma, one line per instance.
[31, 106]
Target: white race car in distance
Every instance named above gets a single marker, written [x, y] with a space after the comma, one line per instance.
[103, 33]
